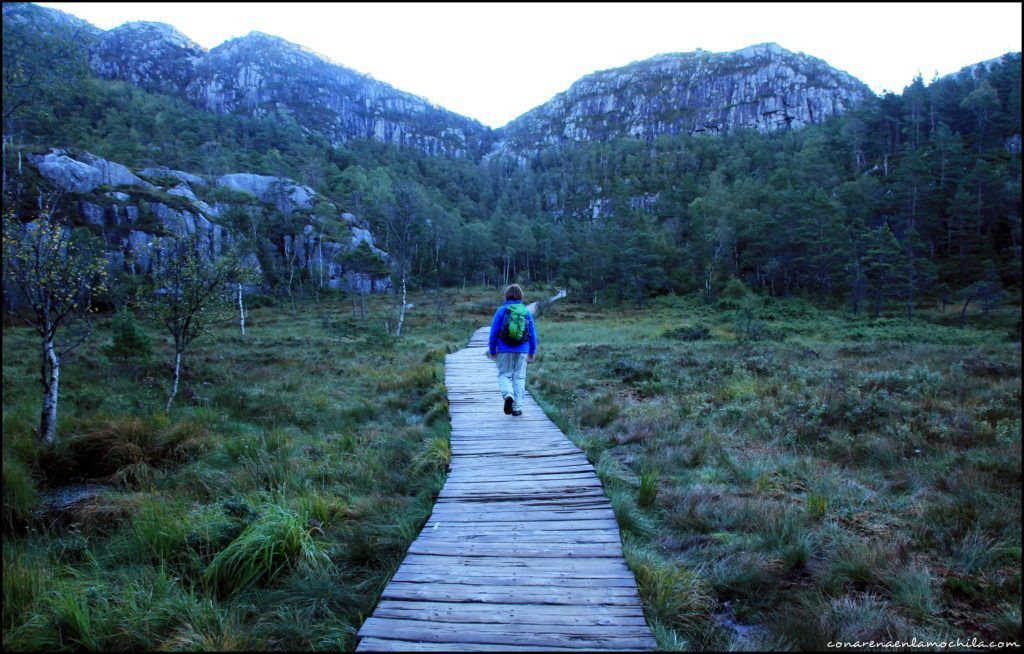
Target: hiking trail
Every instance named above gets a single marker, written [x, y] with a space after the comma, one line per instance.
[522, 550]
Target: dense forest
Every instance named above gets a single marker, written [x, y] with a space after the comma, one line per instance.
[910, 197]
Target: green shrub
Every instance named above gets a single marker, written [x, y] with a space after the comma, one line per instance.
[733, 294]
[129, 341]
[278, 541]
[695, 332]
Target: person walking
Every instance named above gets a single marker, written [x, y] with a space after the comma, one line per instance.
[513, 342]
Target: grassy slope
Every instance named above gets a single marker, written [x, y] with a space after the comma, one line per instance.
[313, 433]
[854, 480]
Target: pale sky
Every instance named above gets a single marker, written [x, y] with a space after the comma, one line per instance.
[494, 62]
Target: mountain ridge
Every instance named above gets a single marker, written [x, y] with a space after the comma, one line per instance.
[762, 86]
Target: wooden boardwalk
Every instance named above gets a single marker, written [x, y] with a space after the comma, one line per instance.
[522, 551]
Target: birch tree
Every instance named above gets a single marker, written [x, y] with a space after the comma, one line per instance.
[188, 293]
[50, 277]
[402, 215]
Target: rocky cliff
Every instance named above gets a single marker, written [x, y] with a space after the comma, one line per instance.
[258, 74]
[763, 87]
[154, 56]
[134, 213]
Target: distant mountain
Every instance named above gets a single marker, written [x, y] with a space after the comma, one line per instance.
[154, 56]
[259, 73]
[979, 69]
[763, 87]
[49, 21]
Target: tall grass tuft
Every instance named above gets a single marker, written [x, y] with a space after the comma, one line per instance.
[672, 594]
[599, 410]
[433, 455]
[817, 505]
[648, 488]
[23, 583]
[19, 493]
[914, 589]
[279, 540]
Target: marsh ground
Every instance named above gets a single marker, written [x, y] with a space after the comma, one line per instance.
[786, 476]
[783, 475]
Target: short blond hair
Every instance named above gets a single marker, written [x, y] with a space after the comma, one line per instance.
[514, 292]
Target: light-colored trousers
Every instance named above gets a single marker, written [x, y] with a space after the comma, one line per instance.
[512, 377]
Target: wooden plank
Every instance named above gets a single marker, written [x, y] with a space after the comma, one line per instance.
[456, 516]
[471, 543]
[377, 626]
[519, 480]
[522, 527]
[392, 645]
[538, 635]
[585, 612]
[577, 564]
[513, 526]
[515, 595]
[594, 576]
[553, 591]
[488, 578]
[542, 551]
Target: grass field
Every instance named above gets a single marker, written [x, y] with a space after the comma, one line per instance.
[267, 511]
[786, 477]
[783, 476]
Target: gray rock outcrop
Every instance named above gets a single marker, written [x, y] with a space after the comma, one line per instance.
[283, 193]
[85, 173]
[763, 87]
[154, 56]
[135, 226]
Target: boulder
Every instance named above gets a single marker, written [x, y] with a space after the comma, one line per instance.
[183, 191]
[187, 178]
[67, 173]
[283, 193]
[84, 174]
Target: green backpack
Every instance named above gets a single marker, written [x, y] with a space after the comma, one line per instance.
[513, 324]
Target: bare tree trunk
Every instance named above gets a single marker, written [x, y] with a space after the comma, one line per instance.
[910, 295]
[177, 374]
[362, 304]
[291, 269]
[241, 310]
[401, 312]
[320, 261]
[48, 419]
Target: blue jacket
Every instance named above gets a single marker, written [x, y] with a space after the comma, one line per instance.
[495, 344]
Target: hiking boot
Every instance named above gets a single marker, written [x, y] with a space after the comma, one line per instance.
[517, 413]
[508, 405]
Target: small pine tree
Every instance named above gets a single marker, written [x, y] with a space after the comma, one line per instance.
[129, 341]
